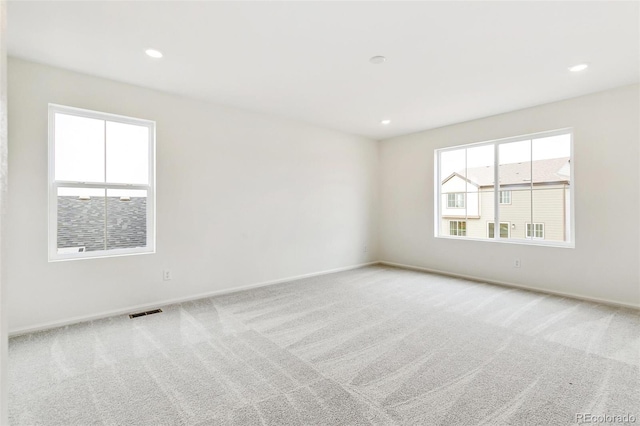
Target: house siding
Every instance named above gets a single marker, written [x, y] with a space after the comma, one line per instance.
[550, 207]
[458, 185]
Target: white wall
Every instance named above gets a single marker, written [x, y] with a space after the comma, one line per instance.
[3, 195]
[604, 263]
[246, 198]
[242, 198]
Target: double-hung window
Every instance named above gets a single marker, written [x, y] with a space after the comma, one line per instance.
[518, 189]
[101, 184]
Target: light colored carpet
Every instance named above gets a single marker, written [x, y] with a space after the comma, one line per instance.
[376, 345]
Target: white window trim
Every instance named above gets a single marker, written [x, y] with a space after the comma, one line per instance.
[533, 229]
[54, 185]
[437, 206]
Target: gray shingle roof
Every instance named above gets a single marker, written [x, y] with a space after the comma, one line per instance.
[544, 171]
[81, 223]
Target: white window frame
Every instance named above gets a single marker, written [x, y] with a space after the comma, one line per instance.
[438, 219]
[502, 195]
[458, 228]
[533, 228]
[55, 184]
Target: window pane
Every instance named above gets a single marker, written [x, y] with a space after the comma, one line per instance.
[127, 153]
[79, 148]
[552, 156]
[515, 178]
[80, 220]
[126, 218]
[480, 177]
[452, 178]
[551, 193]
[452, 162]
[452, 190]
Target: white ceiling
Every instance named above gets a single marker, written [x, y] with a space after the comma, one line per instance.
[447, 61]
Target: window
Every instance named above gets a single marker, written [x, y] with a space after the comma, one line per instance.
[458, 228]
[504, 229]
[101, 184]
[505, 197]
[535, 230]
[507, 184]
[455, 200]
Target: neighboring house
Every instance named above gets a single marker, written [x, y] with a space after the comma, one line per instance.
[467, 202]
[81, 223]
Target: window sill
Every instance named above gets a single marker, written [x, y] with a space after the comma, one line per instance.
[100, 254]
[558, 244]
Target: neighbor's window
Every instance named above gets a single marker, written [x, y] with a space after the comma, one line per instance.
[504, 229]
[455, 200]
[522, 186]
[535, 230]
[458, 228]
[505, 197]
[101, 184]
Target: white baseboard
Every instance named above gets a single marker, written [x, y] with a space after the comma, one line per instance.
[155, 305]
[506, 284]
[147, 306]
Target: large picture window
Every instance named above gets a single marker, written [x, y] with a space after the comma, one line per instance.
[101, 184]
[508, 184]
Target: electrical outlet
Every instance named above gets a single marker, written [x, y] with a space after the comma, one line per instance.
[516, 263]
[166, 275]
[365, 249]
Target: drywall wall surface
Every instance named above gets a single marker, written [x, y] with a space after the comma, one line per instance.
[604, 262]
[4, 329]
[242, 198]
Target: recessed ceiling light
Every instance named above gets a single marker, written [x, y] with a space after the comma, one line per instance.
[385, 122]
[153, 53]
[579, 67]
[377, 59]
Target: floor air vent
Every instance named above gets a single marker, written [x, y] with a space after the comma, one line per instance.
[142, 314]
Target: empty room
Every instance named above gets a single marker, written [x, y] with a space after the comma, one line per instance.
[319, 213]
